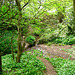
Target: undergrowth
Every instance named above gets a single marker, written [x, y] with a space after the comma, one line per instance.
[5, 42]
[68, 40]
[63, 66]
[29, 65]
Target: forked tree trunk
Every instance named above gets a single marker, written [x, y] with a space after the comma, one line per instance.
[19, 32]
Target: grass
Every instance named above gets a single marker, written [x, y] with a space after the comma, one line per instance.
[29, 65]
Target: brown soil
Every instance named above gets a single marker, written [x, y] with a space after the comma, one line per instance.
[54, 51]
[57, 51]
[49, 68]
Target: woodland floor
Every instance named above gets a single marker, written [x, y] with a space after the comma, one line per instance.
[53, 51]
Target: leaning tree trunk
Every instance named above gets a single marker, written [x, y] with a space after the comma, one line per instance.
[19, 32]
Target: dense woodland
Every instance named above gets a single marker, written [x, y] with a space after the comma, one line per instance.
[25, 24]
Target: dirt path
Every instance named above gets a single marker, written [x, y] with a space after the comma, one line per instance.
[49, 68]
[53, 51]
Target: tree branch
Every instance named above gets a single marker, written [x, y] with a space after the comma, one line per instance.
[25, 4]
[16, 13]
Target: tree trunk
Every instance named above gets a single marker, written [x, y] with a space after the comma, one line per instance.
[0, 64]
[74, 6]
[74, 16]
[12, 46]
[19, 32]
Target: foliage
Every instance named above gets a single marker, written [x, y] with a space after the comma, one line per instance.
[49, 43]
[37, 31]
[68, 40]
[5, 42]
[46, 37]
[28, 65]
[36, 52]
[5, 23]
[70, 51]
[40, 14]
[63, 66]
[31, 40]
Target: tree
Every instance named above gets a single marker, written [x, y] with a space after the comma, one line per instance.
[74, 6]
[74, 16]
[20, 47]
[7, 19]
[0, 63]
[19, 32]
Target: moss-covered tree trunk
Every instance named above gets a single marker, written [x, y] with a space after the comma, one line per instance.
[19, 52]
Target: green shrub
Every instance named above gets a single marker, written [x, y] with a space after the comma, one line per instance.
[58, 41]
[5, 42]
[49, 43]
[31, 40]
[47, 37]
[72, 41]
[68, 40]
[36, 33]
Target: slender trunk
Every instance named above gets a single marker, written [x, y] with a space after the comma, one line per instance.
[12, 46]
[74, 16]
[0, 64]
[20, 47]
[74, 6]
[19, 32]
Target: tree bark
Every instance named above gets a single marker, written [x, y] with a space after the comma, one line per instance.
[12, 46]
[19, 52]
[74, 6]
[74, 16]
[20, 47]
[0, 64]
